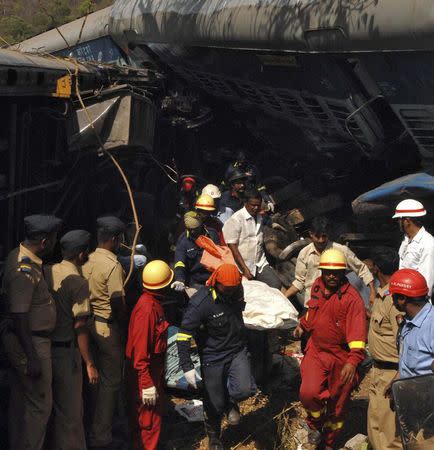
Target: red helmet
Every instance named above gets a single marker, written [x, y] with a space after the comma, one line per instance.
[408, 282]
[188, 183]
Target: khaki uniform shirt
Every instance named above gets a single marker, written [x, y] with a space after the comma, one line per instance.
[106, 278]
[307, 267]
[71, 295]
[383, 327]
[26, 290]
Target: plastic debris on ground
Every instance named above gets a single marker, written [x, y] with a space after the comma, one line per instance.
[192, 411]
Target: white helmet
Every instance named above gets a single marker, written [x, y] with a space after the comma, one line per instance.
[212, 190]
[409, 208]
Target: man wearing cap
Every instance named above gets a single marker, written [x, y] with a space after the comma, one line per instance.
[33, 314]
[188, 269]
[417, 248]
[214, 318]
[244, 235]
[146, 350]
[205, 207]
[107, 325]
[336, 321]
[69, 340]
[383, 329]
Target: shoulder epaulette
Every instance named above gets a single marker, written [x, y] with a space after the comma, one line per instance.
[25, 265]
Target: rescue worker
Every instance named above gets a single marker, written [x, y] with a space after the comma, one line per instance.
[232, 199]
[417, 248]
[146, 351]
[416, 338]
[70, 341]
[253, 180]
[382, 335]
[205, 207]
[107, 325]
[307, 266]
[244, 235]
[33, 314]
[188, 269]
[188, 193]
[214, 318]
[336, 322]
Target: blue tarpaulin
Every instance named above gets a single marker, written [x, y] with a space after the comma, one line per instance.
[383, 199]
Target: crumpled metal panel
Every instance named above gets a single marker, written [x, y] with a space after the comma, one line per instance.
[414, 405]
[93, 26]
[277, 24]
[122, 119]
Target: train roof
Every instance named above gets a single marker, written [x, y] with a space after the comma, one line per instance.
[275, 25]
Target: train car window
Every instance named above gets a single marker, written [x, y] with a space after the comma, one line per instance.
[102, 50]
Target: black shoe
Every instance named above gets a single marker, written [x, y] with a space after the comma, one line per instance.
[234, 415]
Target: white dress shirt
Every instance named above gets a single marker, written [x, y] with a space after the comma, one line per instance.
[418, 254]
[242, 229]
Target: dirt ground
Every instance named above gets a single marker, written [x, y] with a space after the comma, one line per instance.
[272, 420]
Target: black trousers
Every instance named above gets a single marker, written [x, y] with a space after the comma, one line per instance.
[225, 382]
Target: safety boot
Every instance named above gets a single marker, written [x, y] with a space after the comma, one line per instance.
[233, 415]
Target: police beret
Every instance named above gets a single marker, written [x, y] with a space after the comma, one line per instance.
[111, 224]
[40, 225]
[77, 240]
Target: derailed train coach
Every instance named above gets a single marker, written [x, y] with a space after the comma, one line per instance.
[329, 98]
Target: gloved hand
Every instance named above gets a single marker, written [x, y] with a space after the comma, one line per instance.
[270, 207]
[149, 396]
[179, 286]
[191, 378]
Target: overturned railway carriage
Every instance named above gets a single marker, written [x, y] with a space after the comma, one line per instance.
[324, 92]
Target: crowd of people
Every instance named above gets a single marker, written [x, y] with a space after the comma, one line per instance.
[69, 329]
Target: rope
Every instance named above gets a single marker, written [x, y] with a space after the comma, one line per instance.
[122, 173]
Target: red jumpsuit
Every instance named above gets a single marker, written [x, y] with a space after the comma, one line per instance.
[146, 350]
[338, 335]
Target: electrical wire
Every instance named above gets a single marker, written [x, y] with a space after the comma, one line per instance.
[106, 152]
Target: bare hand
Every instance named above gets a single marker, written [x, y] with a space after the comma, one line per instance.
[347, 373]
[34, 368]
[248, 274]
[92, 374]
[298, 332]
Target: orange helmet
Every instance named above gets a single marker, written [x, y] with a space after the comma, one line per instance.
[408, 282]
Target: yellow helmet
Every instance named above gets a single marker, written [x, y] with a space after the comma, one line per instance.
[332, 259]
[157, 275]
[205, 202]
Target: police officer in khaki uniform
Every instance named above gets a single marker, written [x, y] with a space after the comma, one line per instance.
[69, 341]
[382, 346]
[107, 325]
[33, 314]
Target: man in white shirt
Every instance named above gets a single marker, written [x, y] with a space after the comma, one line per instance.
[417, 248]
[243, 234]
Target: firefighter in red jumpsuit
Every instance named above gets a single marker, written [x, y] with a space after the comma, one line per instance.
[336, 321]
[146, 350]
